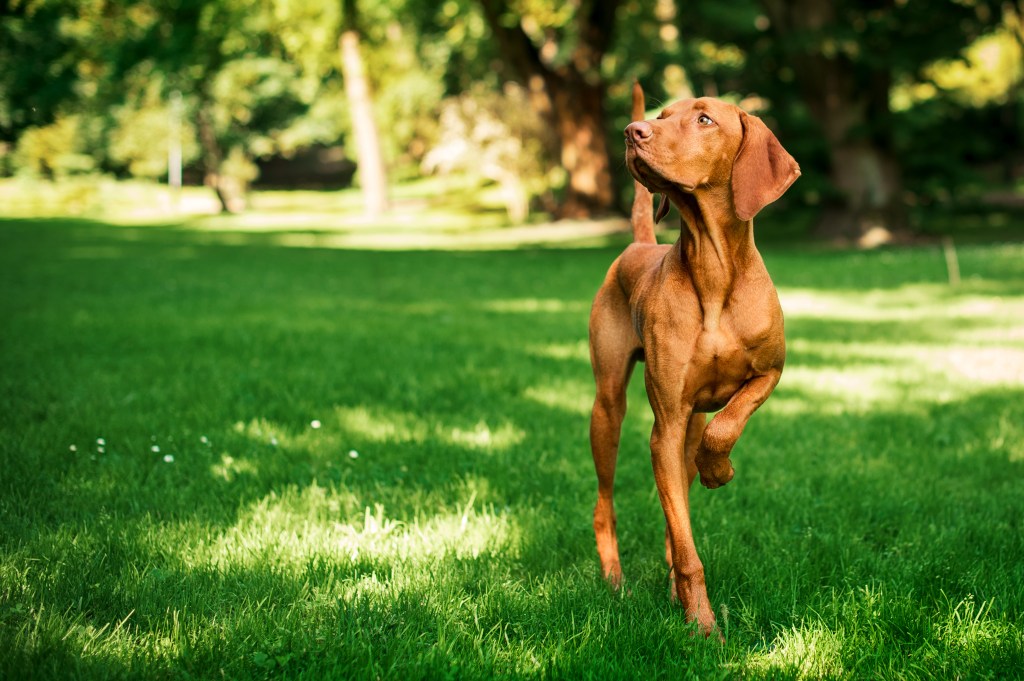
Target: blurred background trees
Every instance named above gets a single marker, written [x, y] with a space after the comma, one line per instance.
[889, 105]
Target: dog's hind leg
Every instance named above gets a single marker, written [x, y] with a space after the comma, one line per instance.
[614, 353]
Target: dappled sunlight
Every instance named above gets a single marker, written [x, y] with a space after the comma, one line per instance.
[532, 305]
[382, 425]
[289, 529]
[877, 373]
[574, 397]
[809, 651]
[969, 627]
[262, 430]
[481, 436]
[579, 350]
[909, 303]
[412, 235]
[836, 390]
[972, 344]
[229, 468]
[938, 348]
[410, 217]
[985, 366]
[817, 648]
[379, 425]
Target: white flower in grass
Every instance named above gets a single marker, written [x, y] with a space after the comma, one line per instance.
[315, 423]
[205, 440]
[353, 454]
[101, 450]
[101, 442]
[155, 449]
[168, 458]
[73, 448]
[273, 441]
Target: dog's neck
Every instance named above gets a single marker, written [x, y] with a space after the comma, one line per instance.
[712, 244]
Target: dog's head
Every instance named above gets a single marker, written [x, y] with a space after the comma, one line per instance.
[705, 144]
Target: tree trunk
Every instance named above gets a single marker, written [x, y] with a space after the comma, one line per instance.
[850, 102]
[571, 98]
[372, 176]
[863, 167]
[869, 182]
[578, 109]
[212, 157]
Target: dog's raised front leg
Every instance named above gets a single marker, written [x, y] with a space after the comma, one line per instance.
[726, 427]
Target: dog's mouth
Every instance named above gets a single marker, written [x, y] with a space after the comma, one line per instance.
[647, 175]
[642, 170]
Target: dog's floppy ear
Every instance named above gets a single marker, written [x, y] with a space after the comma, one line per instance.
[762, 170]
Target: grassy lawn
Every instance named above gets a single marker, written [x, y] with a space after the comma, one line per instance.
[225, 457]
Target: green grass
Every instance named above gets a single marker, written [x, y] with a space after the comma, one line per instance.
[437, 522]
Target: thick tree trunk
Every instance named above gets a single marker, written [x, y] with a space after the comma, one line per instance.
[571, 98]
[578, 110]
[372, 176]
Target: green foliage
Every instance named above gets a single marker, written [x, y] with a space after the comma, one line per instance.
[143, 128]
[254, 102]
[56, 150]
[303, 462]
[781, 51]
[407, 99]
[496, 137]
[40, 64]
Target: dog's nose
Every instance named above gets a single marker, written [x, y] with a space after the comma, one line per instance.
[638, 131]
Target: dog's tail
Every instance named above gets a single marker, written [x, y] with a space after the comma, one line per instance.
[642, 216]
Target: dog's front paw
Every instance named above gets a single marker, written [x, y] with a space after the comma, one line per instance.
[613, 576]
[715, 472]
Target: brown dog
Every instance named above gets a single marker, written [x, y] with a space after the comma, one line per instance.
[702, 314]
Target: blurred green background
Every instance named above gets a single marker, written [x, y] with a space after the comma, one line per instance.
[898, 111]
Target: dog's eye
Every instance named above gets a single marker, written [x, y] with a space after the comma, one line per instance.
[705, 120]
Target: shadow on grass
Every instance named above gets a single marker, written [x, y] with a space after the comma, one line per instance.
[437, 520]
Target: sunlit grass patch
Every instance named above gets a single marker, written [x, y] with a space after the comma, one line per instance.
[969, 629]
[383, 426]
[531, 305]
[899, 348]
[574, 397]
[847, 636]
[810, 651]
[290, 529]
[579, 350]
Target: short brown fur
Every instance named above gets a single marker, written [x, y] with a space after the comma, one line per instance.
[702, 314]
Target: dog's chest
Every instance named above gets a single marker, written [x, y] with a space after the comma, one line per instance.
[724, 358]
